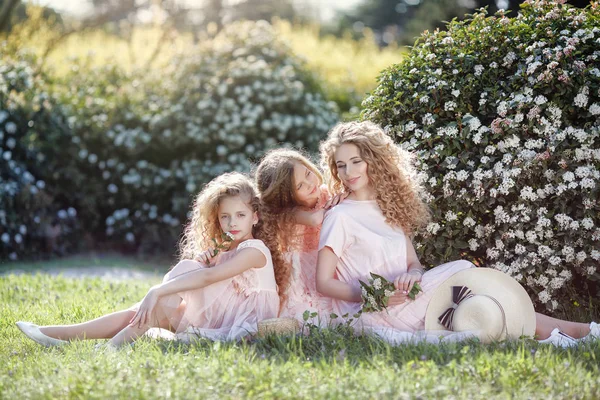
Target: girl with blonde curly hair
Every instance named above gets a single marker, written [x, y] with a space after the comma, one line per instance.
[223, 286]
[294, 201]
[370, 232]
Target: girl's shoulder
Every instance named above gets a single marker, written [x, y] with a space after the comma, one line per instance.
[256, 244]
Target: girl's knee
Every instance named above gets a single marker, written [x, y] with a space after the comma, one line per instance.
[182, 267]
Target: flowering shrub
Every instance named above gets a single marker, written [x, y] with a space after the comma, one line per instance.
[504, 116]
[34, 215]
[147, 142]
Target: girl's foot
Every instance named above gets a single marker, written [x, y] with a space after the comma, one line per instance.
[594, 332]
[33, 332]
[559, 339]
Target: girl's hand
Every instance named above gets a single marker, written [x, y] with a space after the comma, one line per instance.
[207, 257]
[405, 281]
[397, 298]
[335, 200]
[144, 314]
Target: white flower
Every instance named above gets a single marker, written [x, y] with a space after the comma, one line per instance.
[456, 93]
[433, 228]
[544, 296]
[428, 119]
[478, 69]
[450, 216]
[469, 222]
[388, 293]
[591, 270]
[473, 245]
[130, 237]
[10, 128]
[594, 109]
[587, 223]
[5, 237]
[449, 106]
[377, 284]
[554, 260]
[568, 176]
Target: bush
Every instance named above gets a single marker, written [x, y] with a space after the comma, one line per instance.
[147, 142]
[35, 214]
[504, 117]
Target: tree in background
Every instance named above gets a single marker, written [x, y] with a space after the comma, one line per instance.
[403, 20]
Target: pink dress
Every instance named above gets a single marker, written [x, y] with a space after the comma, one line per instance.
[302, 292]
[357, 233]
[226, 310]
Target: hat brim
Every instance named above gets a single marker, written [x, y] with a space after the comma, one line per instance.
[517, 305]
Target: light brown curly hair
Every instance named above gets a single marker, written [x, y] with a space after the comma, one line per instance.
[275, 180]
[204, 223]
[389, 168]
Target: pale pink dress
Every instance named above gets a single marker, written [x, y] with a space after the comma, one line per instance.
[357, 233]
[302, 292]
[226, 310]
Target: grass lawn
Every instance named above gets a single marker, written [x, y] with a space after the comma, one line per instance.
[326, 364]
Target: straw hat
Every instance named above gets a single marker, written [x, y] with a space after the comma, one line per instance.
[483, 300]
[278, 326]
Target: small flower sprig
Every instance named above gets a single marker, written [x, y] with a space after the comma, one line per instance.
[376, 294]
[226, 239]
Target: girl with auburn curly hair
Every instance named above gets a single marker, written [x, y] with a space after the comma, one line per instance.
[222, 287]
[294, 201]
[370, 232]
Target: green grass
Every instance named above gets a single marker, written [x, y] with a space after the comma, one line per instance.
[326, 364]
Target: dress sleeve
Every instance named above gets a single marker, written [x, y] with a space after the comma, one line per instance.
[334, 233]
[258, 245]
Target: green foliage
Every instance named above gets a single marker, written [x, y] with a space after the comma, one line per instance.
[36, 213]
[327, 363]
[504, 117]
[130, 149]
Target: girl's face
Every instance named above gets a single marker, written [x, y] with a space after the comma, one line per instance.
[306, 185]
[352, 169]
[237, 218]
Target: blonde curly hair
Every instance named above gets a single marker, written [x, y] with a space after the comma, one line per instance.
[390, 172]
[204, 223]
[275, 180]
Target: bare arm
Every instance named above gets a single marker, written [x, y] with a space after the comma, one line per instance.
[412, 260]
[309, 218]
[327, 284]
[244, 260]
[405, 281]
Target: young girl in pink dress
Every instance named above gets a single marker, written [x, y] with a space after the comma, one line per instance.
[370, 232]
[222, 296]
[294, 202]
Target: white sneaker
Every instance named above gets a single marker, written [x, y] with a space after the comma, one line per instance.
[559, 339]
[594, 332]
[32, 331]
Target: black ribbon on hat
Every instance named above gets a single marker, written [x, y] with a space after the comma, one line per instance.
[459, 294]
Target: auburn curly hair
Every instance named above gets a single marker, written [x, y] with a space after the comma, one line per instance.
[275, 180]
[390, 172]
[204, 223]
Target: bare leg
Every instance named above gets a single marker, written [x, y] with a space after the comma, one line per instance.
[104, 327]
[131, 333]
[545, 324]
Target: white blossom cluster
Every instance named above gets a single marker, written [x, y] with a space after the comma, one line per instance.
[513, 163]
